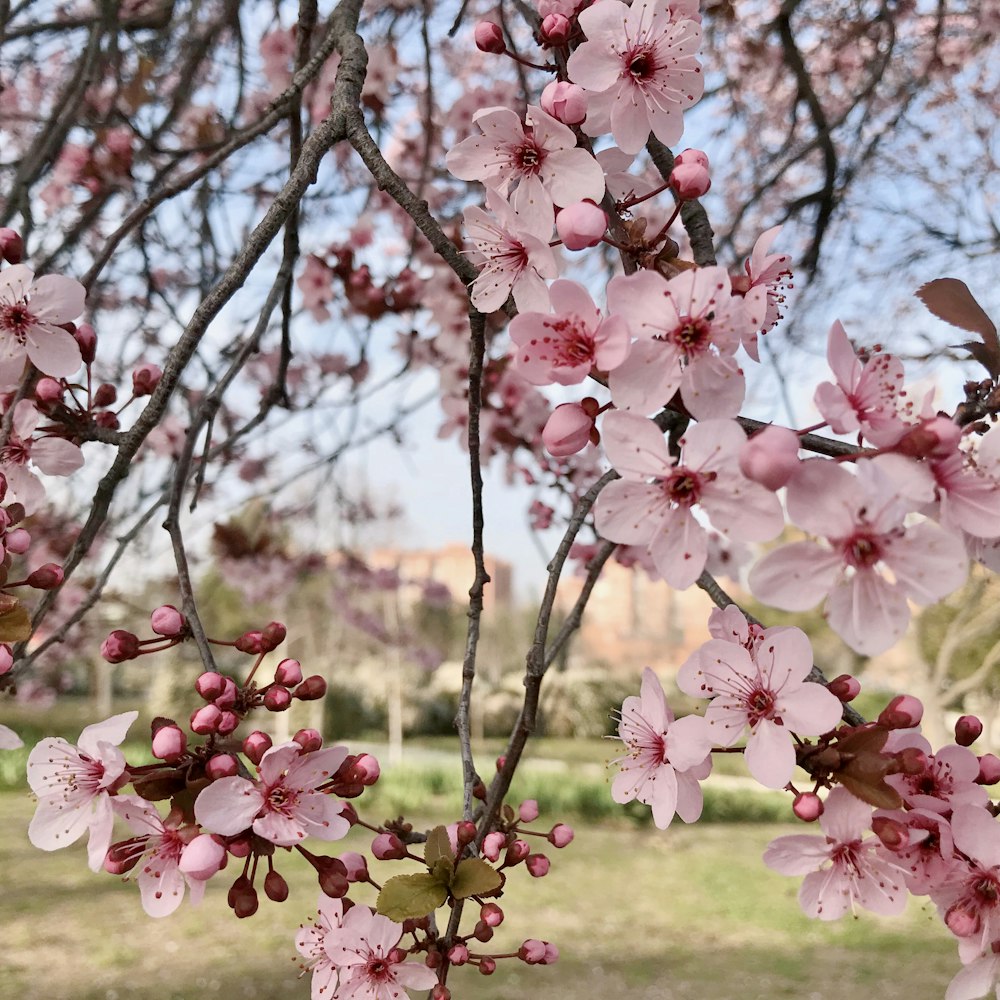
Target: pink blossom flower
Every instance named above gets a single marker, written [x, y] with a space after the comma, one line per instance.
[766, 691]
[947, 781]
[842, 868]
[865, 396]
[652, 504]
[517, 252]
[541, 157]
[285, 805]
[74, 786]
[565, 345]
[372, 967]
[863, 522]
[763, 288]
[968, 487]
[927, 855]
[310, 942]
[689, 328]
[666, 758]
[638, 65]
[977, 978]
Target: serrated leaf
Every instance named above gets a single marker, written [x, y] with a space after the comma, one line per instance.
[444, 871]
[473, 877]
[438, 846]
[15, 625]
[406, 897]
[950, 299]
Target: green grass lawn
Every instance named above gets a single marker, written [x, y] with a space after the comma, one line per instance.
[685, 914]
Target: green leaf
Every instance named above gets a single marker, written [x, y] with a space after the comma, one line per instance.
[410, 896]
[438, 846]
[443, 871]
[15, 625]
[474, 877]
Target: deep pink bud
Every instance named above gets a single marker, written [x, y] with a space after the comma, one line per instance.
[273, 635]
[808, 806]
[568, 430]
[501, 761]
[145, 379]
[121, 858]
[487, 966]
[689, 156]
[560, 835]
[689, 180]
[277, 699]
[17, 541]
[366, 769]
[167, 621]
[912, 760]
[528, 811]
[311, 689]
[229, 722]
[532, 951]
[251, 642]
[256, 745]
[222, 765]
[308, 739]
[388, 847]
[465, 832]
[491, 915]
[440, 991]
[6, 659]
[288, 672]
[556, 29]
[903, 712]
[962, 920]
[275, 887]
[770, 456]
[482, 932]
[205, 720]
[551, 953]
[357, 867]
[566, 102]
[48, 390]
[107, 420]
[210, 685]
[169, 742]
[239, 847]
[893, 834]
[581, 225]
[845, 687]
[86, 340]
[989, 770]
[968, 729]
[537, 865]
[46, 577]
[226, 698]
[105, 394]
[934, 438]
[203, 857]
[120, 646]
[11, 246]
[458, 954]
[489, 38]
[493, 844]
[517, 852]
[243, 897]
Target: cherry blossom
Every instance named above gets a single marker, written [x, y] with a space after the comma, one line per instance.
[31, 312]
[639, 68]
[763, 288]
[310, 943]
[74, 785]
[364, 949]
[565, 345]
[843, 868]
[652, 504]
[947, 781]
[977, 978]
[666, 758]
[285, 805]
[689, 328]
[927, 854]
[541, 157]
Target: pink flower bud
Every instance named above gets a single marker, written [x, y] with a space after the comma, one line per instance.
[689, 180]
[487, 966]
[11, 246]
[532, 951]
[556, 29]
[893, 834]
[691, 156]
[989, 770]
[560, 835]
[501, 761]
[566, 102]
[491, 915]
[903, 712]
[205, 720]
[210, 685]
[581, 225]
[912, 760]
[311, 689]
[17, 541]
[107, 420]
[120, 646]
[568, 430]
[517, 852]
[808, 806]
[145, 379]
[528, 811]
[167, 621]
[273, 636]
[6, 659]
[770, 456]
[222, 765]
[483, 932]
[239, 847]
[458, 954]
[228, 723]
[357, 867]
[440, 992]
[121, 858]
[86, 340]
[226, 698]
[489, 38]
[105, 394]
[465, 832]
[551, 954]
[493, 844]
[48, 390]
[277, 699]
[46, 577]
[203, 857]
[962, 920]
[256, 745]
[845, 687]
[243, 897]
[251, 642]
[934, 438]
[309, 740]
[169, 742]
[289, 673]
[275, 887]
[968, 729]
[388, 847]
[537, 865]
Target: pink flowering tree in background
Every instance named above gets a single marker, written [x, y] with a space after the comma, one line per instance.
[240, 242]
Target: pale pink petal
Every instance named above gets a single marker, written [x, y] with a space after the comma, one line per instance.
[928, 562]
[797, 854]
[631, 512]
[56, 456]
[770, 754]
[713, 387]
[57, 299]
[823, 498]
[810, 710]
[679, 549]
[846, 818]
[975, 980]
[661, 794]
[868, 613]
[53, 351]
[161, 884]
[977, 834]
[690, 800]
[647, 378]
[9, 740]
[795, 577]
[636, 447]
[688, 742]
[882, 889]
[113, 731]
[825, 895]
[228, 806]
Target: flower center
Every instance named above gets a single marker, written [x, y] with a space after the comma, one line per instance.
[760, 705]
[378, 969]
[640, 64]
[281, 799]
[16, 319]
[683, 487]
[862, 551]
[576, 344]
[693, 335]
[529, 159]
[15, 451]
